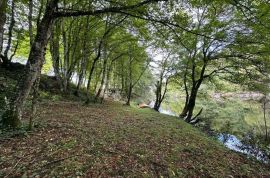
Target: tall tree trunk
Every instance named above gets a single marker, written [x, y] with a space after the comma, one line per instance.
[3, 6]
[84, 58]
[103, 77]
[192, 100]
[158, 93]
[81, 75]
[129, 95]
[92, 71]
[54, 50]
[264, 117]
[30, 19]
[191, 105]
[66, 58]
[12, 117]
[185, 109]
[108, 76]
[10, 34]
[122, 79]
[90, 80]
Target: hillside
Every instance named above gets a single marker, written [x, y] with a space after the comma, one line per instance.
[107, 140]
[115, 140]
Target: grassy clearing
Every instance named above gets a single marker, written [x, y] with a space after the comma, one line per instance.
[114, 140]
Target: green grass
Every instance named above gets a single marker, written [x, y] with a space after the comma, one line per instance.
[115, 140]
[242, 116]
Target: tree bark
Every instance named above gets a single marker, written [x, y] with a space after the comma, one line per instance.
[103, 76]
[130, 83]
[54, 50]
[90, 78]
[264, 117]
[129, 95]
[192, 100]
[185, 109]
[30, 19]
[3, 6]
[5, 58]
[84, 58]
[34, 101]
[12, 117]
[158, 93]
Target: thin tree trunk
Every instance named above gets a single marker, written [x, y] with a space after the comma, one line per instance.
[158, 93]
[103, 77]
[92, 70]
[90, 79]
[84, 58]
[12, 117]
[54, 50]
[10, 34]
[107, 82]
[66, 58]
[3, 6]
[185, 109]
[30, 19]
[265, 123]
[40, 12]
[129, 95]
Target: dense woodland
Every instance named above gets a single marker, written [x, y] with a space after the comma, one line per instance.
[175, 53]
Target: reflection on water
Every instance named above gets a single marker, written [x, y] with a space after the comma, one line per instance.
[161, 110]
[230, 141]
[233, 143]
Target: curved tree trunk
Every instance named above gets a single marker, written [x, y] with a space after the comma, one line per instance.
[102, 79]
[5, 57]
[192, 102]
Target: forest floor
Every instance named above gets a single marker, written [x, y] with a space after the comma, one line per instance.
[112, 140]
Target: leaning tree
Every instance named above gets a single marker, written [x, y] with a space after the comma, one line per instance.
[12, 116]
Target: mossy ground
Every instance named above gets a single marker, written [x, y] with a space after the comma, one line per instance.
[110, 140]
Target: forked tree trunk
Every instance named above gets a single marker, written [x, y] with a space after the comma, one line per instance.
[12, 117]
[191, 102]
[191, 106]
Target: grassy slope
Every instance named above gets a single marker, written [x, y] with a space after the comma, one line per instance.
[115, 140]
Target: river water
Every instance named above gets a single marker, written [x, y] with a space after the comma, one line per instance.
[229, 141]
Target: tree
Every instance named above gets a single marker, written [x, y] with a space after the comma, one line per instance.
[212, 52]
[13, 115]
[165, 67]
[3, 7]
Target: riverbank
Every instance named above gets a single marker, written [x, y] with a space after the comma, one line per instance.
[115, 140]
